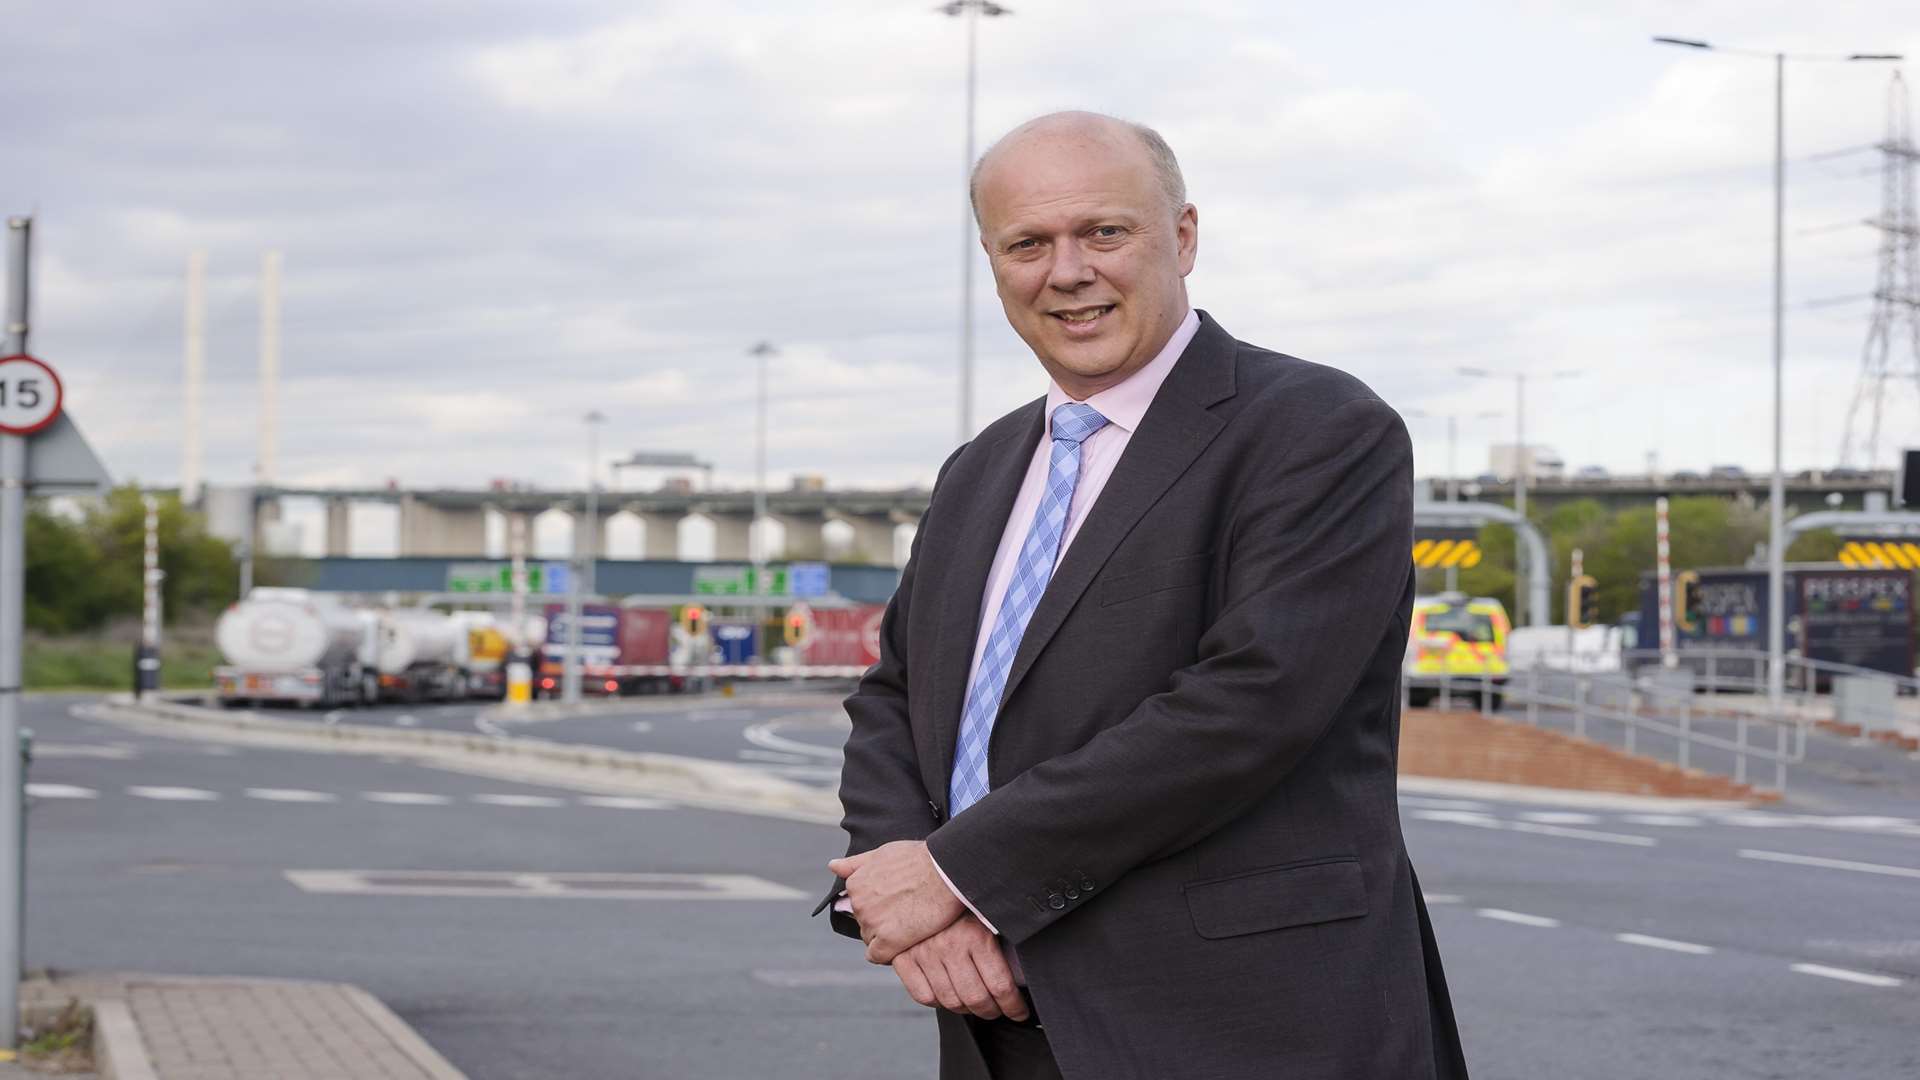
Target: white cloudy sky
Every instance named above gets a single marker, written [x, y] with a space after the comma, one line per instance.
[497, 215]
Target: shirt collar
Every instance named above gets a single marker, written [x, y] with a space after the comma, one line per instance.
[1125, 403]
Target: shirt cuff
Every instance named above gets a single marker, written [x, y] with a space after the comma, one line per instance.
[961, 896]
[844, 906]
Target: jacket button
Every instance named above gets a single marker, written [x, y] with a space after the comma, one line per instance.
[1056, 901]
[1073, 893]
[1086, 884]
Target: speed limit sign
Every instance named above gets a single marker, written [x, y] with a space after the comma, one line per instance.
[29, 395]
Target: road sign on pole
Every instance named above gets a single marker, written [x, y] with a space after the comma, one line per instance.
[30, 394]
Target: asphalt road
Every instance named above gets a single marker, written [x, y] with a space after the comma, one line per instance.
[1582, 941]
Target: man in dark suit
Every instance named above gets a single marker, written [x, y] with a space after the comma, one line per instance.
[1120, 790]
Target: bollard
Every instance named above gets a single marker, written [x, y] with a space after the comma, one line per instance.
[1686, 730]
[1580, 708]
[1533, 695]
[1486, 693]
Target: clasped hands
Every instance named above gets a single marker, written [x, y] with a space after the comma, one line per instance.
[913, 922]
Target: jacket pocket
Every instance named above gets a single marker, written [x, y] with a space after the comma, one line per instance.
[1297, 895]
[1172, 574]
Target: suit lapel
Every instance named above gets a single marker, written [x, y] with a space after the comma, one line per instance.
[984, 519]
[1176, 429]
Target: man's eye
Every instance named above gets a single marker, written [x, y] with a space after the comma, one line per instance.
[1020, 245]
[1108, 232]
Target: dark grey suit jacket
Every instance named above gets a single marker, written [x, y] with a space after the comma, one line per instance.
[1192, 838]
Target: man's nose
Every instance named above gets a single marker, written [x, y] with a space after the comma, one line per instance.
[1070, 270]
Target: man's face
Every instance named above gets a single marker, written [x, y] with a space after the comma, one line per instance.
[1088, 257]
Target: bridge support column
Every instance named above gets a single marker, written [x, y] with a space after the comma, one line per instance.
[731, 537]
[872, 535]
[430, 530]
[660, 535]
[339, 537]
[805, 536]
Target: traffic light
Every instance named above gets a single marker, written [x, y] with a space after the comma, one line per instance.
[693, 619]
[1583, 602]
[799, 627]
[1683, 616]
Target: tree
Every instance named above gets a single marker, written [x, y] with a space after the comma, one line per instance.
[82, 574]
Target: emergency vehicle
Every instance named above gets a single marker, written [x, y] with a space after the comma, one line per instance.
[1464, 639]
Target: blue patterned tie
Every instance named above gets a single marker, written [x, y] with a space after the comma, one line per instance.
[1072, 424]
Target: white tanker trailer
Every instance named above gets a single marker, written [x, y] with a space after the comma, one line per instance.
[297, 646]
[420, 654]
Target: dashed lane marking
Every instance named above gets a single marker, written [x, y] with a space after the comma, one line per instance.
[174, 794]
[1560, 817]
[292, 795]
[1441, 898]
[1864, 978]
[1662, 821]
[1668, 944]
[60, 791]
[519, 800]
[1441, 804]
[1830, 864]
[806, 978]
[543, 885]
[405, 798]
[1488, 821]
[624, 802]
[777, 757]
[108, 751]
[1520, 917]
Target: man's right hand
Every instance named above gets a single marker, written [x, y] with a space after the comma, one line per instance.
[961, 969]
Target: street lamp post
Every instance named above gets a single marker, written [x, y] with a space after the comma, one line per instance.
[1522, 464]
[1776, 492]
[969, 235]
[755, 531]
[585, 552]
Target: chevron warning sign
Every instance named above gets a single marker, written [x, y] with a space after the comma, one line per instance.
[1436, 554]
[1880, 554]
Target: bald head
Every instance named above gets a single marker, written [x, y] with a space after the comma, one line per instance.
[1092, 130]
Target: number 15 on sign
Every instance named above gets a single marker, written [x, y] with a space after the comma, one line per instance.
[29, 395]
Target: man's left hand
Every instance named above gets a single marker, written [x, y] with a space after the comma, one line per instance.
[897, 897]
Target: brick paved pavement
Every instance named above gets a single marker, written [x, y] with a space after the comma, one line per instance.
[193, 1028]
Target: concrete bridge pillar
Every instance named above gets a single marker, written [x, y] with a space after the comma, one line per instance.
[872, 534]
[339, 537]
[660, 534]
[430, 530]
[805, 536]
[731, 534]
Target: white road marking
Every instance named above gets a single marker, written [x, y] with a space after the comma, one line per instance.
[487, 726]
[1488, 821]
[1441, 804]
[624, 802]
[1629, 839]
[488, 883]
[776, 756]
[110, 751]
[405, 798]
[1667, 821]
[405, 720]
[1830, 864]
[334, 716]
[1560, 817]
[1441, 898]
[518, 800]
[60, 791]
[1520, 917]
[1759, 820]
[1862, 977]
[291, 795]
[174, 794]
[642, 726]
[762, 735]
[1664, 943]
[218, 751]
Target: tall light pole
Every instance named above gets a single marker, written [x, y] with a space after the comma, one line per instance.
[591, 549]
[969, 233]
[585, 551]
[1776, 492]
[755, 549]
[1522, 464]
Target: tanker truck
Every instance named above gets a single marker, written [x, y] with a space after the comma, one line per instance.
[291, 645]
[487, 652]
[420, 655]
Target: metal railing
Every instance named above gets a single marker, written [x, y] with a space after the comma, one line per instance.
[1640, 706]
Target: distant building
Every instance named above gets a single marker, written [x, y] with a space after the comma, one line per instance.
[808, 482]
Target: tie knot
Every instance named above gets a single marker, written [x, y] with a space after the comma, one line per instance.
[1074, 422]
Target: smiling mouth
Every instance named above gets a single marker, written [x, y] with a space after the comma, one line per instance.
[1081, 316]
